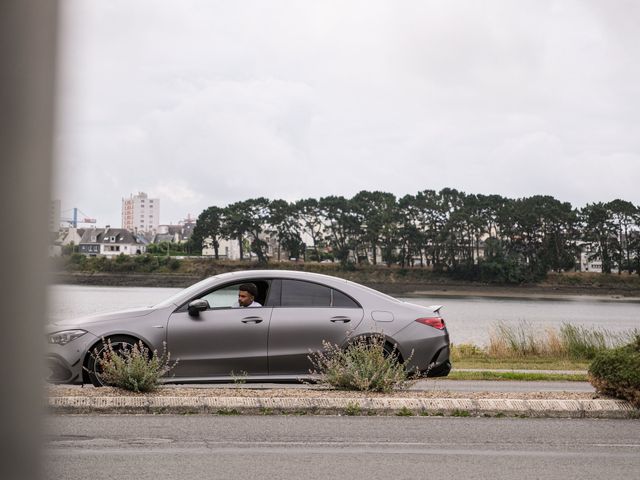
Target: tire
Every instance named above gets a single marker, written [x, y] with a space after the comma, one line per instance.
[390, 351]
[92, 367]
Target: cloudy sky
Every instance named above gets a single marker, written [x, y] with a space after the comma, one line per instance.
[206, 102]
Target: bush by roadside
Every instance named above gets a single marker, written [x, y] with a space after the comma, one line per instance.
[616, 372]
[132, 367]
[366, 365]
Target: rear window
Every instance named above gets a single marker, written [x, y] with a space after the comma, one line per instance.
[342, 300]
[305, 294]
[297, 293]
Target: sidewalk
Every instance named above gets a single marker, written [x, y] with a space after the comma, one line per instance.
[305, 399]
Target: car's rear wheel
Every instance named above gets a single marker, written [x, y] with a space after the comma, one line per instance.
[391, 351]
[92, 365]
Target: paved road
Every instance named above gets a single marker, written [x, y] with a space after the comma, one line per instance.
[252, 447]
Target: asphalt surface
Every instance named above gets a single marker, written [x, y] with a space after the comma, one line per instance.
[278, 447]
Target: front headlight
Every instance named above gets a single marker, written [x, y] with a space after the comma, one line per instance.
[66, 336]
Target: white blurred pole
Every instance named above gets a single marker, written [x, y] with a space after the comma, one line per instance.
[27, 73]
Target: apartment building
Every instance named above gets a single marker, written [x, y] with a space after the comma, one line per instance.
[54, 216]
[141, 214]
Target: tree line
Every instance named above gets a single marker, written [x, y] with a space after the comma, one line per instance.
[468, 236]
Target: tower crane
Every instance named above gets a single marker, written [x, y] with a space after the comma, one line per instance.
[73, 221]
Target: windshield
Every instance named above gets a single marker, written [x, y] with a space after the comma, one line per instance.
[183, 294]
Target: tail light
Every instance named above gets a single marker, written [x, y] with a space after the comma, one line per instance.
[435, 322]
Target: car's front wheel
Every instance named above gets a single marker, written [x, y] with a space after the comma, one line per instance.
[92, 366]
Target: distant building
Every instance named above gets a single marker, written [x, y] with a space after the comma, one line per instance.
[54, 216]
[141, 214]
[111, 242]
[229, 249]
[66, 236]
[168, 233]
[179, 233]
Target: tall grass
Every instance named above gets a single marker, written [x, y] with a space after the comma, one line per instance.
[570, 341]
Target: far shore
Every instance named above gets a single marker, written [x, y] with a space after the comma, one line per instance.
[548, 293]
[409, 289]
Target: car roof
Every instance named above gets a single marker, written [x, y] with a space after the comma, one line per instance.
[329, 280]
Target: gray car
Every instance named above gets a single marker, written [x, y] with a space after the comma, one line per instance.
[214, 341]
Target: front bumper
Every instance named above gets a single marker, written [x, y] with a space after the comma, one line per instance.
[59, 371]
[64, 362]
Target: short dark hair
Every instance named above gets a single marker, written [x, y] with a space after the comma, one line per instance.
[249, 287]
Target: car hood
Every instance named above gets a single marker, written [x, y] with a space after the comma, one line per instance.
[104, 317]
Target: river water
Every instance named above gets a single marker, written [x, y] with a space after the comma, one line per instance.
[469, 319]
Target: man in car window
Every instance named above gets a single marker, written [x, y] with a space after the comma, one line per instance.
[246, 294]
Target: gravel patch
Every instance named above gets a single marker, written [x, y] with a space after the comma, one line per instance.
[307, 392]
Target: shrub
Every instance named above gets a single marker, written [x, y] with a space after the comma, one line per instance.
[616, 372]
[133, 368]
[365, 365]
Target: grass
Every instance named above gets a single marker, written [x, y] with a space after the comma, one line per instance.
[524, 347]
[526, 377]
[515, 363]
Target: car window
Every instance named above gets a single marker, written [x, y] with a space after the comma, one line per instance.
[305, 294]
[339, 299]
[223, 297]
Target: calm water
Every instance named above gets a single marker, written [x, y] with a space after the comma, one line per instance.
[469, 319]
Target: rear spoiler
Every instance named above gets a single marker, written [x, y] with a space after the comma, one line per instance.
[435, 308]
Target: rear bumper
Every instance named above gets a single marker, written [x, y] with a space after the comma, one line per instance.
[425, 350]
[439, 370]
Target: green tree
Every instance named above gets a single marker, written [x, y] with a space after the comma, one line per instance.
[312, 223]
[410, 231]
[341, 225]
[285, 223]
[625, 216]
[599, 229]
[377, 213]
[208, 225]
[249, 218]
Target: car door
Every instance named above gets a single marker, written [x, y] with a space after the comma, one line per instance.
[221, 340]
[308, 314]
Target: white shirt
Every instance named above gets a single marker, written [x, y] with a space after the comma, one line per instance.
[252, 304]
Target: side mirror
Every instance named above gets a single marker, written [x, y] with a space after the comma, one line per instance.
[197, 306]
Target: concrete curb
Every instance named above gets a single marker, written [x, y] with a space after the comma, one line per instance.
[344, 406]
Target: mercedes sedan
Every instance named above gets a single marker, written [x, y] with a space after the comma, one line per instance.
[215, 339]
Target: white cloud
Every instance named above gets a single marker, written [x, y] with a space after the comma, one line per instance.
[208, 103]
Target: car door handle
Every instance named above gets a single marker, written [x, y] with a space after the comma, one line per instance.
[251, 320]
[340, 318]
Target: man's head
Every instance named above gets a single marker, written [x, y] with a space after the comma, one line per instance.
[246, 293]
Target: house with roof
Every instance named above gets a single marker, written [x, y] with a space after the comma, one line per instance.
[111, 242]
[66, 236]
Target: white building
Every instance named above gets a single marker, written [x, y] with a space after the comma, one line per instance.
[54, 216]
[228, 249]
[589, 262]
[111, 242]
[141, 213]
